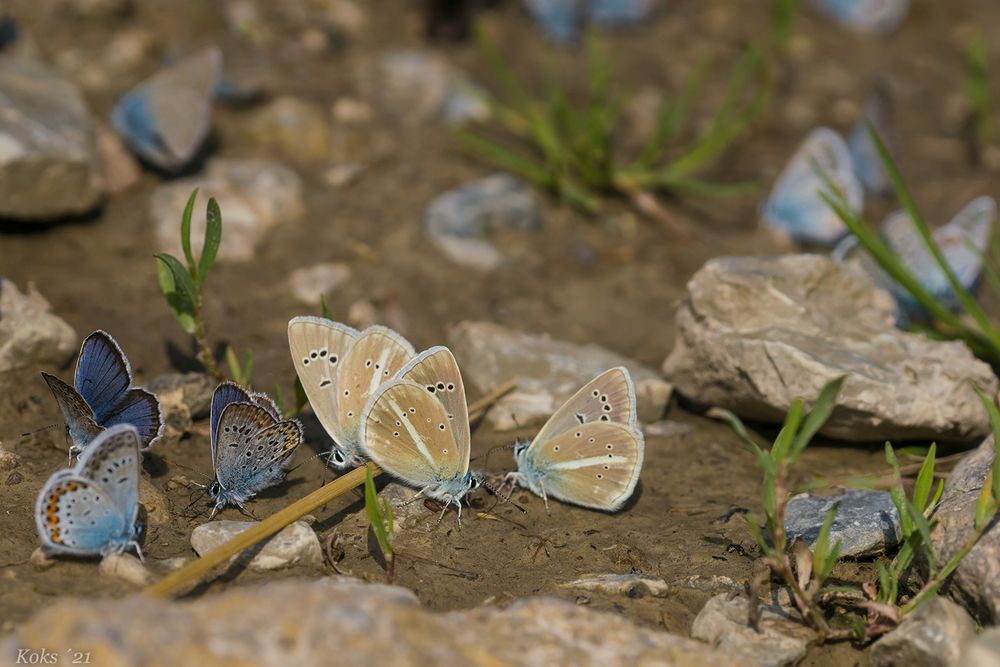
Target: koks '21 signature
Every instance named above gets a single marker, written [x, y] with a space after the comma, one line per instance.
[43, 656]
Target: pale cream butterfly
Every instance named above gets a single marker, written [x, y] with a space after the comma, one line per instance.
[340, 368]
[589, 452]
[416, 428]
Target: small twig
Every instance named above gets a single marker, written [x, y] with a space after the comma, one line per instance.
[647, 204]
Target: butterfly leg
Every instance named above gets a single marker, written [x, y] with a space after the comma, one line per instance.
[417, 496]
[545, 498]
[138, 550]
[244, 511]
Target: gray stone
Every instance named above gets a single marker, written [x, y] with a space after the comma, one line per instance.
[30, 333]
[354, 624]
[548, 372]
[459, 221]
[984, 651]
[49, 166]
[254, 195]
[933, 636]
[296, 544]
[292, 129]
[866, 522]
[722, 622]
[310, 283]
[184, 398]
[756, 333]
[629, 585]
[420, 87]
[976, 582]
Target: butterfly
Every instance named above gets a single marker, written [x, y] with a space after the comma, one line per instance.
[963, 243]
[864, 155]
[251, 445]
[795, 207]
[416, 428]
[878, 16]
[103, 395]
[166, 118]
[562, 20]
[90, 509]
[590, 451]
[339, 368]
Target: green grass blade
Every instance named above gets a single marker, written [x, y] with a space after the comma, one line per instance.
[820, 412]
[925, 481]
[994, 413]
[783, 443]
[496, 154]
[324, 307]
[673, 115]
[374, 513]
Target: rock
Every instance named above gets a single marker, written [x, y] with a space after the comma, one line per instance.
[125, 567]
[296, 544]
[722, 622]
[756, 333]
[866, 522]
[8, 460]
[41, 560]
[49, 166]
[984, 651]
[121, 169]
[312, 282]
[976, 582]
[375, 624]
[420, 87]
[459, 221]
[254, 195]
[933, 636]
[343, 174]
[351, 111]
[666, 429]
[30, 334]
[193, 390]
[549, 371]
[629, 585]
[292, 129]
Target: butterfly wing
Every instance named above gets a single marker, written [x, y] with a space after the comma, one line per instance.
[436, 370]
[78, 415]
[965, 240]
[103, 374]
[224, 394]
[406, 431]
[142, 410]
[595, 465]
[112, 463]
[878, 16]
[252, 448]
[795, 206]
[318, 347]
[609, 398]
[375, 358]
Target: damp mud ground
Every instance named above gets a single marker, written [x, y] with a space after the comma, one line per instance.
[614, 279]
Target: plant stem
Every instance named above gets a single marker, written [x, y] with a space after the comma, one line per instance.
[205, 355]
[647, 205]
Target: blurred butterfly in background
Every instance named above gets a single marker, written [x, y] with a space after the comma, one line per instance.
[590, 451]
[873, 16]
[562, 20]
[251, 445]
[416, 428]
[795, 208]
[864, 155]
[91, 509]
[103, 396]
[963, 242]
[339, 368]
[166, 118]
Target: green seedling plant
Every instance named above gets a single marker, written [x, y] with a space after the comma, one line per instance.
[783, 13]
[870, 609]
[971, 324]
[183, 284]
[978, 95]
[570, 147]
[380, 518]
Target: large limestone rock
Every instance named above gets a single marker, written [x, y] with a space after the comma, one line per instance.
[976, 582]
[30, 333]
[49, 165]
[755, 333]
[345, 622]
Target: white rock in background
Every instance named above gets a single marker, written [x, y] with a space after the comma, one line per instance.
[125, 567]
[755, 333]
[310, 283]
[253, 195]
[296, 544]
[30, 333]
[549, 371]
[49, 166]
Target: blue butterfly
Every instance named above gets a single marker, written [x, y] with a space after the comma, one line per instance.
[90, 509]
[251, 445]
[878, 16]
[963, 242]
[795, 207]
[166, 119]
[562, 20]
[103, 396]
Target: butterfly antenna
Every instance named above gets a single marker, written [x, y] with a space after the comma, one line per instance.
[39, 430]
[496, 491]
[490, 451]
[314, 456]
[190, 469]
